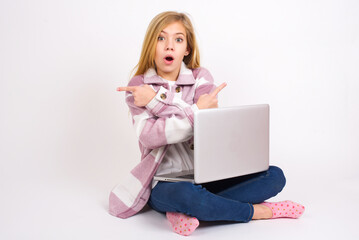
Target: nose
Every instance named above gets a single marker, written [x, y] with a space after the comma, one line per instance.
[169, 45]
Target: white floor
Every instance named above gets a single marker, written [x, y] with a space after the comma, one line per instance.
[32, 208]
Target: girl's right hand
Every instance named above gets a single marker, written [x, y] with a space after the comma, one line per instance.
[210, 100]
[142, 94]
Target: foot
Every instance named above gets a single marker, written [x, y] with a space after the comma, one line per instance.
[181, 223]
[261, 212]
[285, 209]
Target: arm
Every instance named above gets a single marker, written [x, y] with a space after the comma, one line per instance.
[153, 131]
[169, 119]
[173, 126]
[204, 85]
[165, 103]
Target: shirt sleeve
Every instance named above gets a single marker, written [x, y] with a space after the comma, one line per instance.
[167, 119]
[204, 83]
[165, 98]
[173, 126]
[165, 103]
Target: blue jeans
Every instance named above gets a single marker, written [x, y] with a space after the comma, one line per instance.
[224, 200]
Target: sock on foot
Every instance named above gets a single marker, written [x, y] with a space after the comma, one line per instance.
[181, 223]
[285, 209]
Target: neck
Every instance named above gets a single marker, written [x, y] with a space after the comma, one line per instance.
[171, 76]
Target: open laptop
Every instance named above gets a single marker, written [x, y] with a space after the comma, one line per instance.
[228, 142]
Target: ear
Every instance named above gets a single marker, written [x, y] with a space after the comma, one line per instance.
[187, 52]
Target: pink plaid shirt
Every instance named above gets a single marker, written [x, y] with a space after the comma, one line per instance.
[166, 119]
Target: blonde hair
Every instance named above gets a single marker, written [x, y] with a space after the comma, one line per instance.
[158, 23]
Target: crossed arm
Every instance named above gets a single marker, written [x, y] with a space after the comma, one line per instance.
[144, 94]
[169, 121]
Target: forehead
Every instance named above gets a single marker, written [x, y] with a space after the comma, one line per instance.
[175, 28]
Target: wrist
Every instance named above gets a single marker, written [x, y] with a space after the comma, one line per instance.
[152, 102]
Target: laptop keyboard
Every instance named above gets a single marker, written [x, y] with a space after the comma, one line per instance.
[186, 176]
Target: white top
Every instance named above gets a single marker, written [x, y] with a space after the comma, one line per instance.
[179, 157]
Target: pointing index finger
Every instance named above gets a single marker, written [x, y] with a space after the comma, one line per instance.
[127, 89]
[218, 89]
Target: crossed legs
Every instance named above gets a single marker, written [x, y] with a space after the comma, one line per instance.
[234, 199]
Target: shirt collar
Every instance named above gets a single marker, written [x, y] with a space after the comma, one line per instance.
[185, 76]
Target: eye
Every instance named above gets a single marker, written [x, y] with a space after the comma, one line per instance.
[179, 40]
[160, 38]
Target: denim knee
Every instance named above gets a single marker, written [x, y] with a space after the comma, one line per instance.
[278, 177]
[174, 196]
[185, 192]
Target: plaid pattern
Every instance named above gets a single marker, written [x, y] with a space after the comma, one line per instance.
[167, 119]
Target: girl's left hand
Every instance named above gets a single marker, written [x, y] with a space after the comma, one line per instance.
[142, 94]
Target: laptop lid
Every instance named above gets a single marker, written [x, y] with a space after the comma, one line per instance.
[230, 142]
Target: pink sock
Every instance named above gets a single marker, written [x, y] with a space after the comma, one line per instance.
[285, 209]
[181, 223]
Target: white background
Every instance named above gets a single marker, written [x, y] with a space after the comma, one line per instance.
[66, 136]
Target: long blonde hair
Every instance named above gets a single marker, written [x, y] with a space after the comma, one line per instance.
[158, 23]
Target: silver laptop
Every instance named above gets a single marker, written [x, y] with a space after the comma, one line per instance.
[228, 142]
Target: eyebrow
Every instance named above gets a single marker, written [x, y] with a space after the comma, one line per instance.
[175, 33]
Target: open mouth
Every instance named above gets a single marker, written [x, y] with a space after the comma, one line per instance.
[169, 58]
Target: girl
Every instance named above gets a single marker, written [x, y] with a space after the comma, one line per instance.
[168, 87]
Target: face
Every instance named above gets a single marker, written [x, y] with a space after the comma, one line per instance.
[170, 50]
